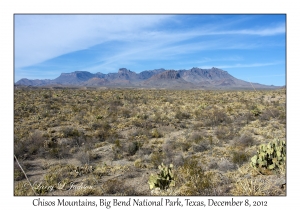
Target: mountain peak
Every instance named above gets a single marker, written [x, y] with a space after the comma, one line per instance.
[124, 70]
[169, 74]
[160, 78]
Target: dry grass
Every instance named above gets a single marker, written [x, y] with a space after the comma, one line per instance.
[105, 138]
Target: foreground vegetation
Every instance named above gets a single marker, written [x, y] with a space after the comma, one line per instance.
[113, 141]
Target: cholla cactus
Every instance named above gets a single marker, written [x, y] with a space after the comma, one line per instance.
[270, 156]
[164, 179]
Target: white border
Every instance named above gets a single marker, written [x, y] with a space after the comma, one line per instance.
[8, 8]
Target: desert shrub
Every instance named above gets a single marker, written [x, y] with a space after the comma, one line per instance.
[201, 147]
[22, 189]
[105, 133]
[156, 134]
[282, 113]
[239, 157]
[178, 161]
[83, 157]
[138, 123]
[198, 125]
[229, 109]
[157, 117]
[117, 152]
[182, 115]
[244, 140]
[182, 125]
[138, 163]
[212, 165]
[221, 132]
[18, 174]
[112, 135]
[257, 186]
[197, 114]
[207, 122]
[70, 132]
[117, 187]
[94, 155]
[157, 158]
[117, 143]
[184, 145]
[30, 147]
[143, 116]
[59, 175]
[35, 142]
[101, 170]
[101, 135]
[168, 149]
[96, 125]
[144, 151]
[196, 137]
[116, 103]
[226, 165]
[141, 132]
[192, 179]
[105, 126]
[133, 147]
[224, 133]
[125, 113]
[54, 150]
[244, 119]
[269, 113]
[255, 111]
[19, 148]
[47, 95]
[168, 99]
[220, 116]
[76, 141]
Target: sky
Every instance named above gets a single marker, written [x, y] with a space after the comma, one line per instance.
[251, 47]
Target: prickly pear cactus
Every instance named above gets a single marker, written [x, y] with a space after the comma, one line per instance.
[164, 179]
[270, 156]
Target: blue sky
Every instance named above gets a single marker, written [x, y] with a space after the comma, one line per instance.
[249, 47]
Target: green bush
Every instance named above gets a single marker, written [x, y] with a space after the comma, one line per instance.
[239, 157]
[270, 156]
[164, 179]
[193, 178]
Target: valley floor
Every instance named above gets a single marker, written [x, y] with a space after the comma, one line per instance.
[109, 142]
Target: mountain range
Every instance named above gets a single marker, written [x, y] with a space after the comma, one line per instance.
[195, 78]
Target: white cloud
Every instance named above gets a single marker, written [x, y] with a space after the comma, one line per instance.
[271, 31]
[267, 76]
[42, 37]
[249, 65]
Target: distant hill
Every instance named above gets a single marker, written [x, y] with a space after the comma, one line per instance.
[168, 79]
[195, 78]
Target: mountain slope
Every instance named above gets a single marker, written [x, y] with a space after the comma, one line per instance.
[194, 78]
[73, 78]
[149, 73]
[167, 79]
[197, 75]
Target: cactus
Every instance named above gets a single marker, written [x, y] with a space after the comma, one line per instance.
[270, 156]
[164, 179]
